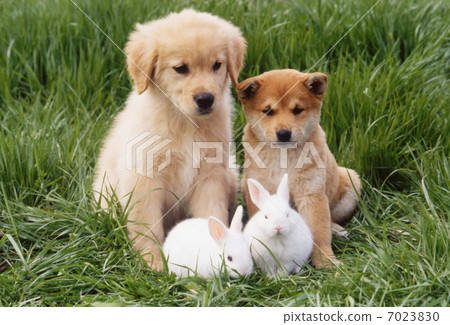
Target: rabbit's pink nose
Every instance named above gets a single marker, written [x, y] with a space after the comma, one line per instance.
[278, 228]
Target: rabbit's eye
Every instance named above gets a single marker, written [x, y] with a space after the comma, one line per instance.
[266, 217]
[229, 258]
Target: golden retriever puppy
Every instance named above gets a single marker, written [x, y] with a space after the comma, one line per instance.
[283, 135]
[158, 151]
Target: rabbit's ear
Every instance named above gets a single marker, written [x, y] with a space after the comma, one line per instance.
[283, 188]
[236, 223]
[217, 229]
[258, 193]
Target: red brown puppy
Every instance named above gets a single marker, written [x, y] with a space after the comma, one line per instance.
[283, 135]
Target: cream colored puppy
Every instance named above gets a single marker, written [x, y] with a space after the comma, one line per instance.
[181, 66]
[282, 108]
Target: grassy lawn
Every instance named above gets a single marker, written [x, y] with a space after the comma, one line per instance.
[386, 114]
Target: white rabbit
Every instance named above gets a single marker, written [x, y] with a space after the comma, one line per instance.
[203, 245]
[279, 228]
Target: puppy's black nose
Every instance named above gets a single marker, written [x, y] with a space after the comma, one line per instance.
[284, 135]
[204, 102]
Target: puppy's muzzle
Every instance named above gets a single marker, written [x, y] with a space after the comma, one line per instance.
[284, 135]
[204, 102]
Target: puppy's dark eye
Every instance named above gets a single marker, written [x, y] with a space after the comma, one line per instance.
[217, 65]
[229, 258]
[181, 69]
[266, 217]
[268, 111]
[297, 111]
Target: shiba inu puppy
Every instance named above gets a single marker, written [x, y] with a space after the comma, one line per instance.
[283, 135]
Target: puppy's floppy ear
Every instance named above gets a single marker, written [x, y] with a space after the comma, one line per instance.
[237, 48]
[316, 83]
[247, 88]
[141, 56]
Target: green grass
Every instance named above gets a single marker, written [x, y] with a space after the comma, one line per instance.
[386, 115]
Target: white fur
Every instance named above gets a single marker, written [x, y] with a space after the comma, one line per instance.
[202, 245]
[284, 232]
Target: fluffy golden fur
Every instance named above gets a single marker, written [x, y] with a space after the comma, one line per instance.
[210, 52]
[325, 194]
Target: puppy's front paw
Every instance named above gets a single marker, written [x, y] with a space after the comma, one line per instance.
[338, 230]
[340, 233]
[154, 261]
[157, 266]
[320, 262]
